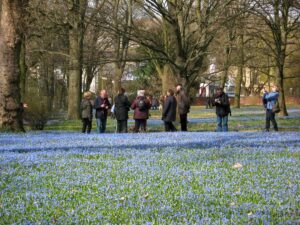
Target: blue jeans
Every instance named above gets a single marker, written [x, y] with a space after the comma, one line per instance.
[101, 125]
[222, 123]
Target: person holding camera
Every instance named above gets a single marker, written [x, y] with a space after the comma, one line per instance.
[270, 100]
[221, 102]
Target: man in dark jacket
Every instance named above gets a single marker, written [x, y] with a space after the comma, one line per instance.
[169, 111]
[101, 105]
[122, 106]
[141, 106]
[183, 104]
[221, 101]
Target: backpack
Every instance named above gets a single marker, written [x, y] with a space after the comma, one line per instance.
[141, 104]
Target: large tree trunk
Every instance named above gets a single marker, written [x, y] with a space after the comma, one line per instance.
[75, 61]
[167, 77]
[10, 46]
[74, 88]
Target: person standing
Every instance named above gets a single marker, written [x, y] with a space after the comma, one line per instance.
[169, 111]
[270, 100]
[183, 106]
[102, 105]
[122, 106]
[141, 106]
[222, 104]
[86, 108]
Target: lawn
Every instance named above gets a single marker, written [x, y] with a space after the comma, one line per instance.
[250, 118]
[65, 177]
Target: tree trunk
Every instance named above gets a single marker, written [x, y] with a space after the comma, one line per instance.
[224, 78]
[166, 75]
[239, 78]
[75, 54]
[10, 47]
[89, 78]
[51, 89]
[74, 88]
[23, 70]
[119, 70]
[280, 84]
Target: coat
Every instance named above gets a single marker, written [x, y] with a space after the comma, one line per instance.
[183, 103]
[101, 112]
[169, 109]
[122, 106]
[86, 108]
[222, 104]
[270, 99]
[140, 114]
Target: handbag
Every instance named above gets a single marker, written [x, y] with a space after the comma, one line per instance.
[276, 108]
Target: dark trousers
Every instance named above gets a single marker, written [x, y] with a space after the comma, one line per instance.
[140, 125]
[122, 126]
[183, 121]
[270, 116]
[169, 126]
[86, 125]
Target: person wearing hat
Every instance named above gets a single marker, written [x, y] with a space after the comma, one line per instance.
[141, 106]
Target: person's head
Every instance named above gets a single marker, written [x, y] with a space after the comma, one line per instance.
[219, 90]
[87, 95]
[178, 87]
[275, 88]
[141, 93]
[103, 94]
[170, 92]
[121, 91]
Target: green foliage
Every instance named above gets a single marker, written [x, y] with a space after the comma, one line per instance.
[147, 78]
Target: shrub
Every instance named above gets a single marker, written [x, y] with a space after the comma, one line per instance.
[36, 116]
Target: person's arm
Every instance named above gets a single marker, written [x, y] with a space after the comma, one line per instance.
[83, 105]
[225, 100]
[108, 104]
[187, 102]
[133, 105]
[97, 104]
[127, 103]
[166, 107]
[271, 96]
[214, 102]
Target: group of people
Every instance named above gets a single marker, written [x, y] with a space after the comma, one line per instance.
[174, 102]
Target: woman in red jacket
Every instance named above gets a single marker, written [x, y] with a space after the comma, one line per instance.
[141, 106]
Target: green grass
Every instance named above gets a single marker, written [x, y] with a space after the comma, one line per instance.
[236, 122]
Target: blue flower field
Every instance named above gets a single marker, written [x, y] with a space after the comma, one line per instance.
[153, 178]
